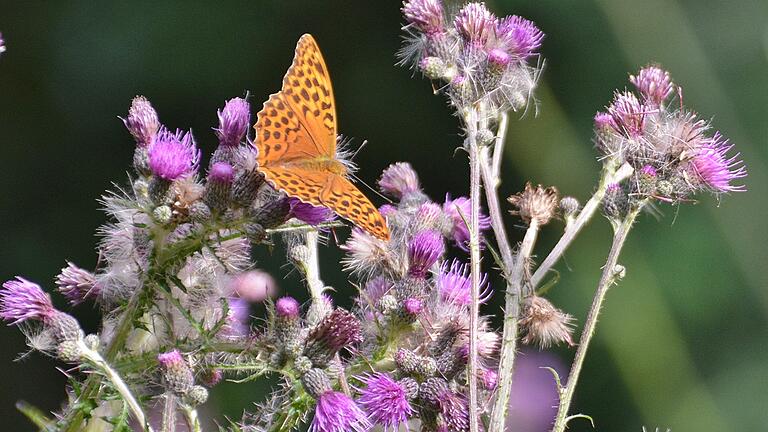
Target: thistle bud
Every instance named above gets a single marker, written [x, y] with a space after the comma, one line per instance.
[316, 382]
[142, 121]
[69, 351]
[254, 232]
[615, 202]
[646, 180]
[199, 212]
[435, 68]
[246, 187]
[176, 373]
[535, 205]
[196, 396]
[273, 214]
[414, 364]
[338, 330]
[163, 214]
[218, 186]
[569, 206]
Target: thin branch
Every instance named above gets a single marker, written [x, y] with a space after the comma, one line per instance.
[608, 278]
[498, 152]
[609, 175]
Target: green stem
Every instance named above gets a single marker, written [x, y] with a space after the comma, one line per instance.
[608, 278]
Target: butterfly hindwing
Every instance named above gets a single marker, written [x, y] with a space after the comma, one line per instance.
[346, 200]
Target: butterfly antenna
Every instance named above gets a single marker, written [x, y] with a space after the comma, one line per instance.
[358, 149]
[358, 179]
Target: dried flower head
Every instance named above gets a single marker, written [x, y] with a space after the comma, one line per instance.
[234, 120]
[535, 204]
[366, 254]
[545, 324]
[385, 400]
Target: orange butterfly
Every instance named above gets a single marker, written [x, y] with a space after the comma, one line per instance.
[296, 138]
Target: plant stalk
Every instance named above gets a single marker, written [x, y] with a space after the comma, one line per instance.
[509, 336]
[608, 278]
[471, 120]
[609, 175]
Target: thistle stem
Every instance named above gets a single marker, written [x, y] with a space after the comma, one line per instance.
[509, 336]
[609, 175]
[498, 153]
[471, 120]
[169, 413]
[193, 420]
[314, 283]
[99, 363]
[608, 278]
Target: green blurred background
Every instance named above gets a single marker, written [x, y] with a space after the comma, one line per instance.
[682, 342]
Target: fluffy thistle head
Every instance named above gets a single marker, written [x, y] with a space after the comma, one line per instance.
[545, 324]
[22, 300]
[535, 204]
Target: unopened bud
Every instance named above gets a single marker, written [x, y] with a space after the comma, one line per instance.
[162, 214]
[316, 382]
[196, 396]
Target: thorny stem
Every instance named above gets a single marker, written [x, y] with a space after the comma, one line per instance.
[609, 175]
[98, 361]
[608, 278]
[509, 337]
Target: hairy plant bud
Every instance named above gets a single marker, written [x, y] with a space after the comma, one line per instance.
[316, 382]
[162, 214]
[196, 396]
[273, 214]
[254, 232]
[246, 186]
[413, 364]
[411, 387]
[176, 373]
[69, 351]
[569, 206]
[338, 330]
[615, 202]
[199, 212]
[302, 364]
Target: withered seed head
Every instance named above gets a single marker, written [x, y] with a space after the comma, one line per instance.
[535, 203]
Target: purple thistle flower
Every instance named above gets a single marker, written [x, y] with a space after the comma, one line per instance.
[413, 305]
[336, 412]
[425, 249]
[170, 358]
[287, 307]
[399, 180]
[459, 210]
[173, 155]
[628, 115]
[2, 44]
[22, 300]
[221, 172]
[519, 36]
[142, 121]
[234, 120]
[654, 83]
[604, 121]
[454, 284]
[376, 288]
[385, 400]
[387, 210]
[475, 23]
[311, 214]
[489, 378]
[498, 57]
[715, 169]
[76, 284]
[426, 15]
[648, 170]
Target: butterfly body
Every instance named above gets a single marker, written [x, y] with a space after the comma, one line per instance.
[296, 136]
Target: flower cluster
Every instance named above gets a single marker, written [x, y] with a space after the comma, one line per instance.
[671, 149]
[477, 56]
